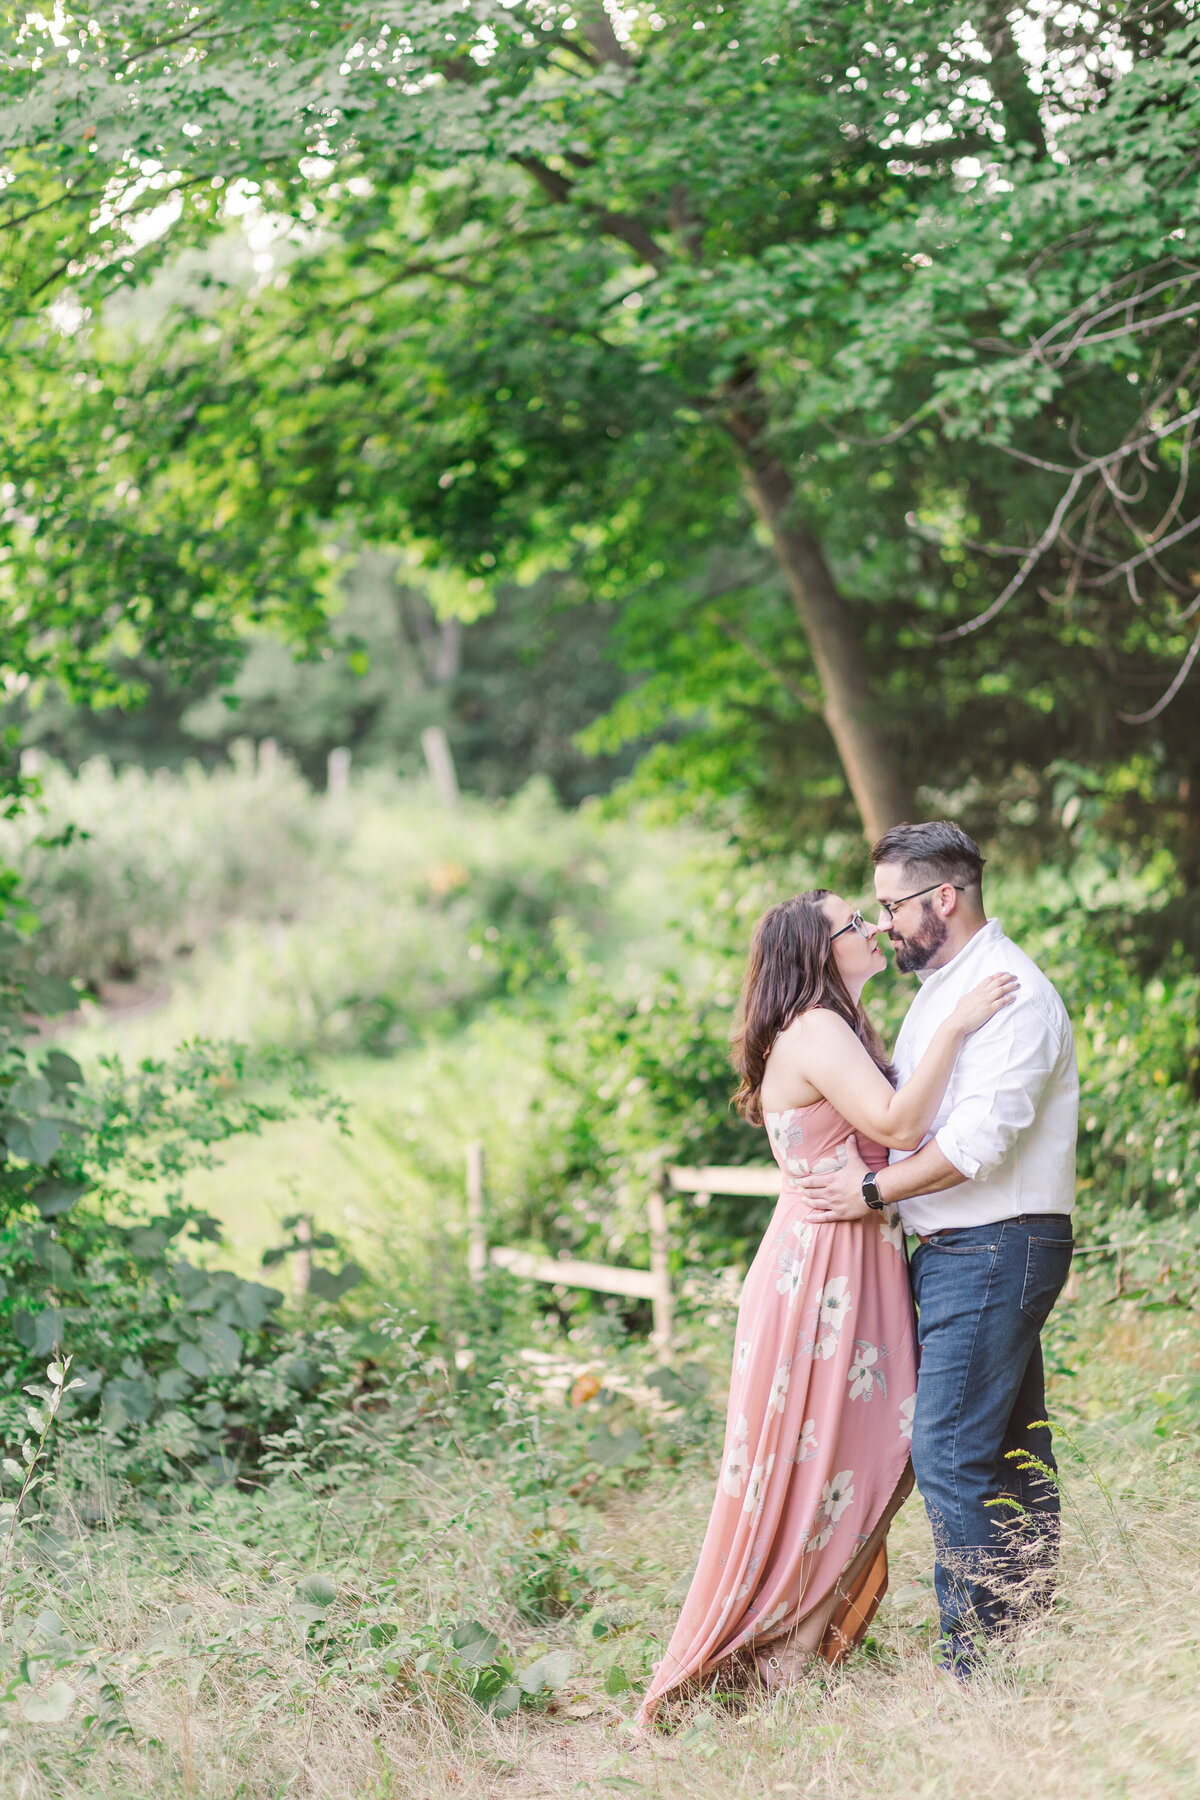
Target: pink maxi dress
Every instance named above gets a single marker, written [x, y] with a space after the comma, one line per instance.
[819, 1430]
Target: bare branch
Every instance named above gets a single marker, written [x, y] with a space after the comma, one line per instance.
[1148, 554]
[1181, 675]
[613, 224]
[179, 37]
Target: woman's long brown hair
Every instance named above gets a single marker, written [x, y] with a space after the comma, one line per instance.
[792, 968]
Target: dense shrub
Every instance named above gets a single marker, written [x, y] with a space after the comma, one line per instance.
[288, 919]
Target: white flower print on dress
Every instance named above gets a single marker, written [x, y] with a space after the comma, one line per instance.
[775, 1617]
[745, 1346]
[787, 1132]
[756, 1488]
[738, 1460]
[808, 1446]
[835, 1304]
[907, 1408]
[779, 1387]
[862, 1372]
[891, 1230]
[835, 1301]
[837, 1494]
[820, 1532]
[792, 1260]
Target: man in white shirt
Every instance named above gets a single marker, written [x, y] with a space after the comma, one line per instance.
[989, 1194]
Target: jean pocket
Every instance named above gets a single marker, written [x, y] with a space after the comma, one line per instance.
[1046, 1264]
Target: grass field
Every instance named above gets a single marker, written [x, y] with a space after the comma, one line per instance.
[196, 1630]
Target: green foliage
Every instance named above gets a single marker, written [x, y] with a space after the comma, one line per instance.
[286, 919]
[643, 1077]
[525, 316]
[512, 688]
[173, 1363]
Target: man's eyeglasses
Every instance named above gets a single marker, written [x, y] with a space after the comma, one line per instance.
[857, 923]
[891, 907]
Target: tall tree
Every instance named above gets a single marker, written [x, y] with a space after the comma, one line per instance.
[574, 287]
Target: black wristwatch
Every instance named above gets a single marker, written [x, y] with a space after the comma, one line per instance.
[871, 1193]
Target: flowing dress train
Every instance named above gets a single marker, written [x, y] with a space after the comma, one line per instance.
[820, 1424]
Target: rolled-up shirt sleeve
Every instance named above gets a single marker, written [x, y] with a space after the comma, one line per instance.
[998, 1081]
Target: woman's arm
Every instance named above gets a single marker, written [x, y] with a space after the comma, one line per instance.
[824, 1052]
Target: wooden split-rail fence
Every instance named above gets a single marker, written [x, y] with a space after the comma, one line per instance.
[654, 1284]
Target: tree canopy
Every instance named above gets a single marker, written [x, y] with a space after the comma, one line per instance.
[849, 350]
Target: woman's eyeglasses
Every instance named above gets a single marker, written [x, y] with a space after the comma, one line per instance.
[856, 923]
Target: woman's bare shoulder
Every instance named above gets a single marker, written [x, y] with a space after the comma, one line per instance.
[815, 1022]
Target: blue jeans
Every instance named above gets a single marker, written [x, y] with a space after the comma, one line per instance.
[981, 1448]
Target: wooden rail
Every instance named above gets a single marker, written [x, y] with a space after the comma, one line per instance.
[654, 1283]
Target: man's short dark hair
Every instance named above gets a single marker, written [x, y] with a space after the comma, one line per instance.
[939, 851]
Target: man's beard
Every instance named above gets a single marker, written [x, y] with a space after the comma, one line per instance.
[913, 953]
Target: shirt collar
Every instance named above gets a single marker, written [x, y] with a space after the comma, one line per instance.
[987, 934]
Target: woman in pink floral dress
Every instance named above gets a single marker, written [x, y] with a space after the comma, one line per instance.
[824, 1371]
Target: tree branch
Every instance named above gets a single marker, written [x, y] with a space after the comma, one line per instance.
[613, 224]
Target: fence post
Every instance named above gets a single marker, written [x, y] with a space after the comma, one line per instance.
[477, 1255]
[439, 759]
[660, 1267]
[338, 773]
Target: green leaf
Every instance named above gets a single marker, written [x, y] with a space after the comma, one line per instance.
[189, 1279]
[39, 1331]
[506, 1701]
[327, 1286]
[475, 1644]
[301, 1373]
[50, 1706]
[616, 1681]
[57, 1261]
[256, 1303]
[614, 1448]
[221, 1344]
[317, 1590]
[135, 1397]
[175, 1384]
[148, 1241]
[48, 995]
[549, 1673]
[33, 1140]
[62, 1071]
[53, 1198]
[191, 1358]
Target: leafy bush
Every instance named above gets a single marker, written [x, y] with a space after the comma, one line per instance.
[172, 1364]
[284, 918]
[126, 871]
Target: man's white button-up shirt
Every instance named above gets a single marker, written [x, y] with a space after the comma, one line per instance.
[1009, 1116]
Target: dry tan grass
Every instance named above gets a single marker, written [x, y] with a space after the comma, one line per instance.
[1103, 1699]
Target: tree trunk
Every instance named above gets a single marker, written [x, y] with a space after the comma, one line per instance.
[880, 791]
